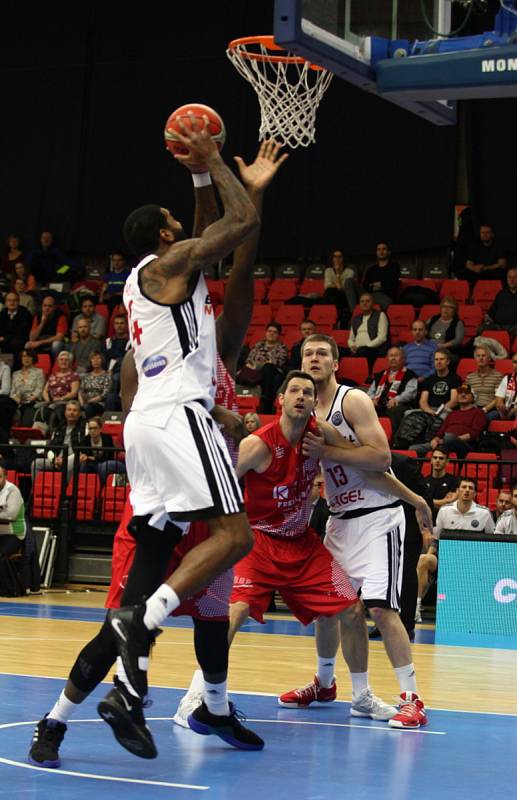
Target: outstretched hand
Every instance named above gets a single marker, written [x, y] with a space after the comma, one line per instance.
[258, 175]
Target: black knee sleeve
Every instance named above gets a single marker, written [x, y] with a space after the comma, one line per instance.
[95, 660]
[152, 554]
[211, 645]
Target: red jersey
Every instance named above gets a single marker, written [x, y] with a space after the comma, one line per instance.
[278, 501]
[225, 396]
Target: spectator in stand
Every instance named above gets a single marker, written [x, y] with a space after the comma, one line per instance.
[506, 394]
[69, 433]
[463, 515]
[14, 254]
[486, 259]
[340, 282]
[114, 281]
[27, 389]
[307, 328]
[382, 278]
[502, 504]
[15, 326]
[443, 487]
[252, 421]
[49, 264]
[116, 347]
[368, 331]
[99, 461]
[507, 522]
[83, 345]
[26, 299]
[394, 389]
[22, 271]
[461, 429]
[485, 382]
[419, 353]
[266, 365]
[502, 314]
[446, 328]
[97, 321]
[6, 406]
[49, 329]
[95, 386]
[62, 385]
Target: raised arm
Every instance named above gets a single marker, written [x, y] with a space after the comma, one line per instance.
[233, 323]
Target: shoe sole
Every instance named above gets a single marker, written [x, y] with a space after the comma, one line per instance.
[208, 730]
[401, 726]
[45, 764]
[119, 721]
[305, 705]
[376, 717]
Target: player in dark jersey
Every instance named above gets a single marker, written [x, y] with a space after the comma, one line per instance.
[97, 657]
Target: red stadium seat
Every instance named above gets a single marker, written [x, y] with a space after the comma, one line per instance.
[312, 286]
[291, 336]
[501, 425]
[216, 290]
[484, 293]
[46, 495]
[504, 365]
[458, 289]
[261, 315]
[103, 310]
[113, 499]
[265, 419]
[44, 362]
[427, 311]
[400, 315]
[410, 453]
[340, 337]
[247, 402]
[380, 364]
[466, 365]
[387, 427]
[472, 317]
[87, 494]
[355, 369]
[281, 290]
[324, 315]
[290, 315]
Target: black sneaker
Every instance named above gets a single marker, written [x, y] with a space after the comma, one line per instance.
[48, 735]
[229, 729]
[134, 641]
[123, 712]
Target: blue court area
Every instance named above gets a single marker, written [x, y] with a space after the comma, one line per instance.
[315, 754]
[289, 627]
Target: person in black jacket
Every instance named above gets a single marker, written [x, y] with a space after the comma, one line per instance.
[99, 460]
[382, 278]
[70, 434]
[407, 470]
[15, 325]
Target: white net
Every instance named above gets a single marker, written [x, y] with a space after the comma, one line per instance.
[289, 91]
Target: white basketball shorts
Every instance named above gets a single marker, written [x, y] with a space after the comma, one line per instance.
[370, 549]
[184, 469]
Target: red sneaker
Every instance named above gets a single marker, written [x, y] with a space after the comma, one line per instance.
[312, 693]
[411, 714]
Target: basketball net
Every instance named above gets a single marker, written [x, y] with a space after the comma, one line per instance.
[288, 87]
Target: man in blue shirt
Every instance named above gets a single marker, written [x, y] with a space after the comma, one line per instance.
[114, 280]
[420, 352]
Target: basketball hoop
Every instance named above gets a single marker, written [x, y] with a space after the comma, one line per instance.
[288, 87]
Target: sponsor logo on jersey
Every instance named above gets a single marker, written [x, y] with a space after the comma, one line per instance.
[475, 523]
[279, 452]
[281, 492]
[153, 365]
[336, 418]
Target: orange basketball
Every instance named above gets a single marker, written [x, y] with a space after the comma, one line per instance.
[215, 125]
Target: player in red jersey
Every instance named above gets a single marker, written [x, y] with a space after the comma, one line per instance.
[97, 657]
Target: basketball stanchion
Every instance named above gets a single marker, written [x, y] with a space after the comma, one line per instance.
[288, 87]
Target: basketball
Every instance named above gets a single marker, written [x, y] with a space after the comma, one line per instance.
[215, 126]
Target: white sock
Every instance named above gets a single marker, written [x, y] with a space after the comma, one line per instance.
[418, 602]
[325, 672]
[197, 684]
[63, 709]
[407, 678]
[159, 606]
[359, 682]
[121, 675]
[216, 698]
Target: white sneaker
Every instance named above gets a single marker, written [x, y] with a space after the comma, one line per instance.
[418, 614]
[367, 704]
[188, 703]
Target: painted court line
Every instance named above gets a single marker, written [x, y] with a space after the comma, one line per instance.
[347, 725]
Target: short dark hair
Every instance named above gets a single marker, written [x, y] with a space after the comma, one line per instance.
[88, 298]
[274, 324]
[31, 354]
[297, 373]
[142, 229]
[96, 353]
[468, 480]
[322, 337]
[441, 449]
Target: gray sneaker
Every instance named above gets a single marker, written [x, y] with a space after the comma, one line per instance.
[367, 704]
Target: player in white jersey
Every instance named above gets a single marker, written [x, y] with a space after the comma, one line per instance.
[177, 461]
[365, 532]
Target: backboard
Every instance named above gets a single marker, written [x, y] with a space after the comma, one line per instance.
[400, 49]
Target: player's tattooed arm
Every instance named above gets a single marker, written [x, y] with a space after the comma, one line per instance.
[254, 455]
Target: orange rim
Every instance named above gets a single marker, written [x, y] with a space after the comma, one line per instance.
[269, 43]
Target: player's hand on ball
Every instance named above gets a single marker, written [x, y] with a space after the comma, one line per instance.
[197, 140]
[258, 175]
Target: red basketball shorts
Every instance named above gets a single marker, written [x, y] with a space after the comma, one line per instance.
[210, 603]
[302, 570]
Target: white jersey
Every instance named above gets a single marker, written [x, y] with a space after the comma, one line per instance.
[477, 519]
[507, 523]
[344, 487]
[174, 348]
